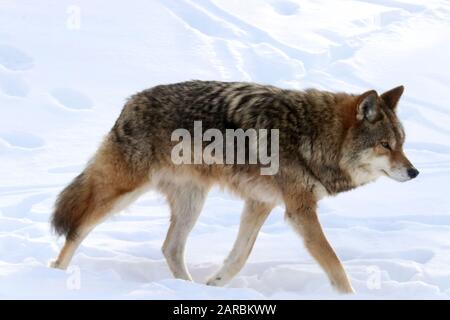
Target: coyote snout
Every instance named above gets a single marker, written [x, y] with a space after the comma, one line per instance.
[401, 169]
[403, 174]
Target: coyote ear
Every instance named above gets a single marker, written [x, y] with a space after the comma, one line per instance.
[367, 107]
[392, 96]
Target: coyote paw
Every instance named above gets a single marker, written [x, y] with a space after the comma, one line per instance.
[56, 265]
[344, 289]
[350, 291]
[215, 281]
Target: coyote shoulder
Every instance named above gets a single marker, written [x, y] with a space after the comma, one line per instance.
[328, 143]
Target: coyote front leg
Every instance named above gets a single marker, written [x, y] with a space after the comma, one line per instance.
[186, 202]
[253, 217]
[301, 213]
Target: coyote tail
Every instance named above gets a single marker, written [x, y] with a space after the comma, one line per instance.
[72, 206]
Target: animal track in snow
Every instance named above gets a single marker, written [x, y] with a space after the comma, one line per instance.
[71, 98]
[24, 208]
[22, 139]
[12, 85]
[14, 59]
[209, 19]
[285, 8]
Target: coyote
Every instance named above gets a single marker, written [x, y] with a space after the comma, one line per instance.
[328, 143]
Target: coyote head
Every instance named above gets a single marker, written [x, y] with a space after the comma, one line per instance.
[374, 143]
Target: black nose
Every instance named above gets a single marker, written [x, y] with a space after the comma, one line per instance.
[413, 172]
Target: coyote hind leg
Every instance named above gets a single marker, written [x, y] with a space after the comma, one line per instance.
[253, 217]
[68, 250]
[186, 202]
[101, 208]
[105, 186]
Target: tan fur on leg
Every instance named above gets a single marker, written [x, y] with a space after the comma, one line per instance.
[67, 252]
[186, 201]
[301, 213]
[252, 219]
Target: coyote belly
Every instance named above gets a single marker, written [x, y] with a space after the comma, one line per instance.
[327, 143]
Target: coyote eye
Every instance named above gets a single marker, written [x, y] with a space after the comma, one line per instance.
[385, 145]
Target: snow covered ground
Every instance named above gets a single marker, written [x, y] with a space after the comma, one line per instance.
[66, 68]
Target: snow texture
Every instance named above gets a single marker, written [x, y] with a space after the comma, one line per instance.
[66, 68]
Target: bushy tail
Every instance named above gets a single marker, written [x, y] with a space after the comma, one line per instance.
[93, 193]
[72, 205]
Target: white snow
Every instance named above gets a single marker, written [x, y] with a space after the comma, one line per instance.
[64, 79]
